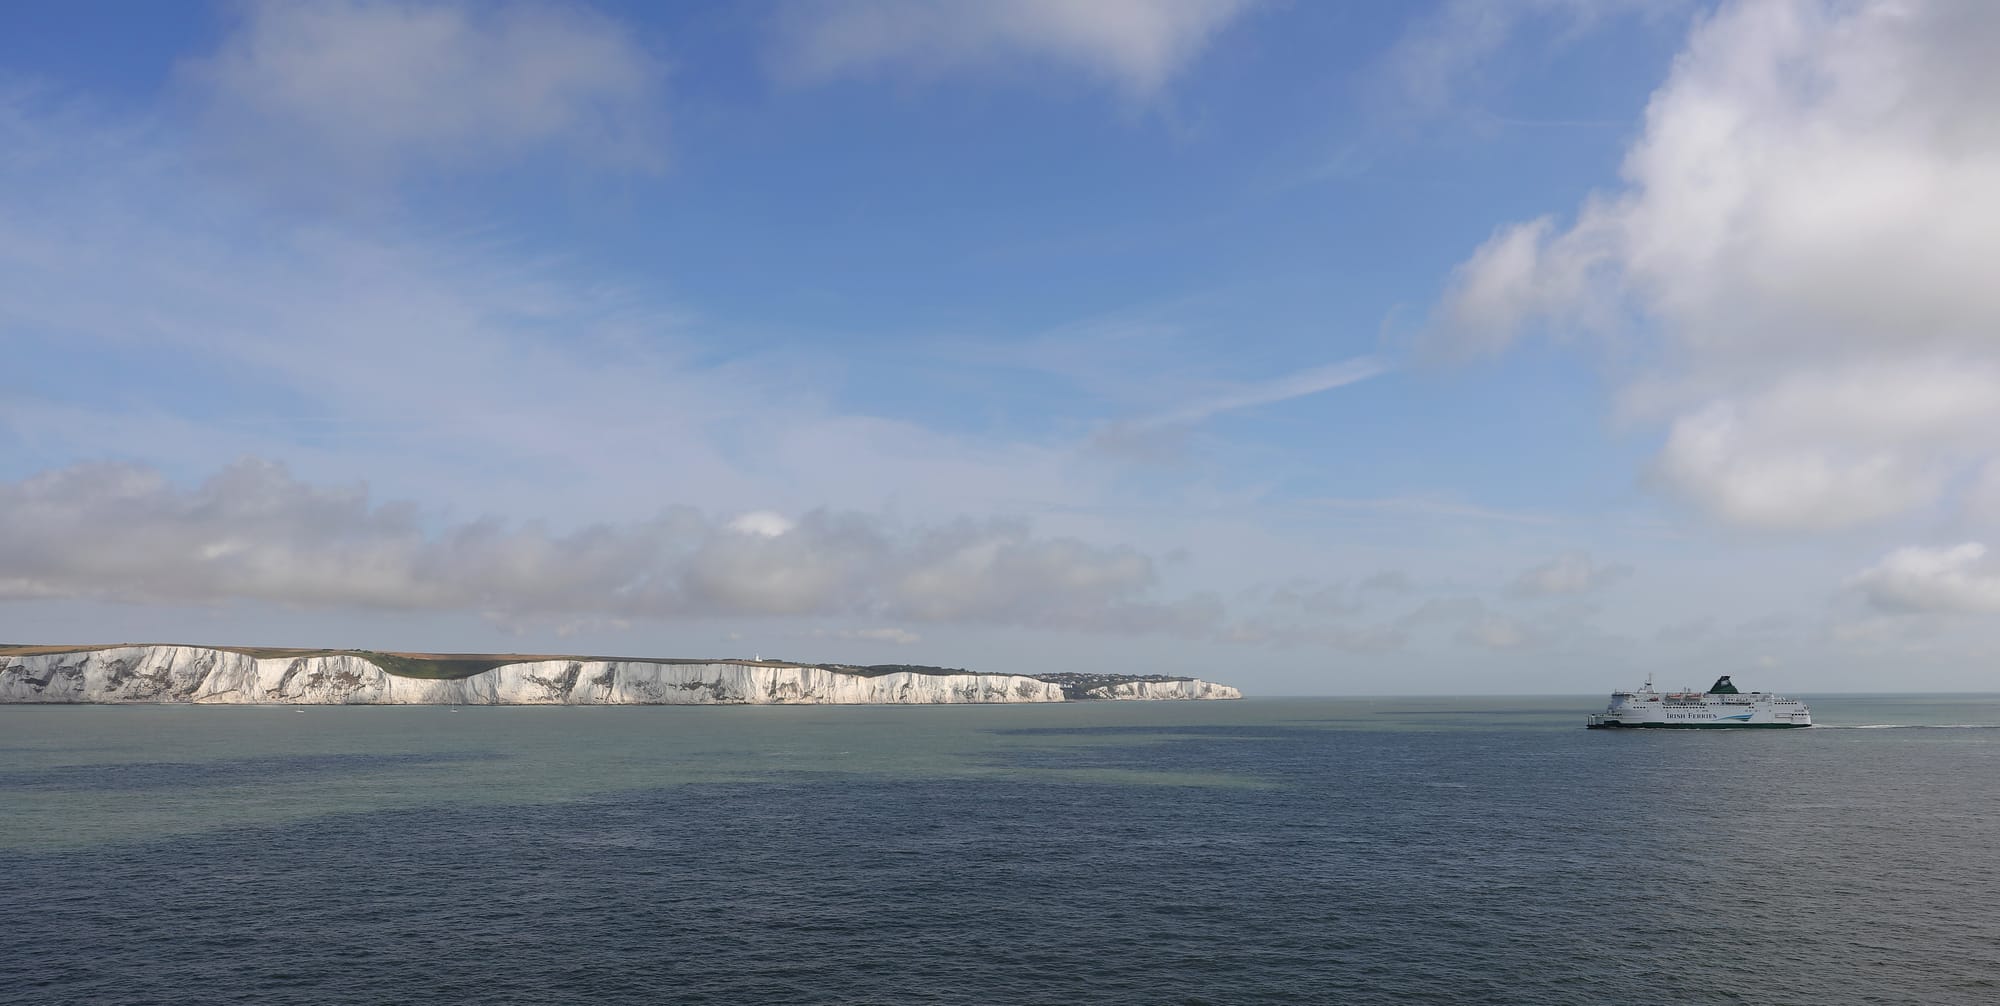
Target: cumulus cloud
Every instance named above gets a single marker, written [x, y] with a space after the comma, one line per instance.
[1799, 247]
[252, 531]
[1757, 474]
[1836, 444]
[1958, 578]
[1570, 573]
[1136, 44]
[763, 523]
[379, 87]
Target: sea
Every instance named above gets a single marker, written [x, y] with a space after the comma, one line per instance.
[1306, 850]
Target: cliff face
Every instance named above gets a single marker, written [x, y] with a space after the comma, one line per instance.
[1187, 688]
[198, 674]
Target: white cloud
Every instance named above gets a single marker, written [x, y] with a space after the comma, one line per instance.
[762, 523]
[1898, 631]
[1449, 52]
[1799, 249]
[469, 378]
[1349, 638]
[1570, 573]
[1496, 632]
[1698, 628]
[1158, 434]
[1505, 623]
[125, 533]
[1136, 44]
[380, 87]
[1983, 498]
[959, 570]
[899, 637]
[1743, 474]
[1918, 579]
[1430, 508]
[1393, 581]
[1310, 381]
[1471, 622]
[458, 371]
[1313, 597]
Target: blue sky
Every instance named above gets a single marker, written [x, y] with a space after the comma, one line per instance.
[1316, 348]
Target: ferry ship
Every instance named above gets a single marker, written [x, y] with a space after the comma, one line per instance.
[1721, 706]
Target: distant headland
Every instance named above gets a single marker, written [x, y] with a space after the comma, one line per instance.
[173, 673]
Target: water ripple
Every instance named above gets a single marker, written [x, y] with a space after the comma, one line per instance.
[1472, 866]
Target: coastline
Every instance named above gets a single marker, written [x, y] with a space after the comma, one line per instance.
[177, 673]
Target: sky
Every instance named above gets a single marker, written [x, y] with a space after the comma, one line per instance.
[1480, 346]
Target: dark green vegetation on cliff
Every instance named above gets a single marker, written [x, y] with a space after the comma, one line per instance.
[877, 670]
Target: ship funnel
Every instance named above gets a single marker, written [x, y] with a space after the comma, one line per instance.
[1722, 687]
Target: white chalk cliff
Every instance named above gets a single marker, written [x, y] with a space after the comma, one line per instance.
[169, 674]
[1177, 688]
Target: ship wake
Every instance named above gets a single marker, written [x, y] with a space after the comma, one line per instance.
[1906, 726]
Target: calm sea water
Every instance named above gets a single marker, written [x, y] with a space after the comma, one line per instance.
[1304, 851]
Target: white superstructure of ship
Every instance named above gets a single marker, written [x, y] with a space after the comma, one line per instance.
[1721, 706]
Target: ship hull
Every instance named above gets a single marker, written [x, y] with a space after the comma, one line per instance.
[1696, 726]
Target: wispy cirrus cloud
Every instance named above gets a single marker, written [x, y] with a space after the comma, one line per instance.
[367, 89]
[1569, 573]
[1152, 434]
[1310, 381]
[1137, 45]
[452, 368]
[1429, 508]
[1451, 51]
